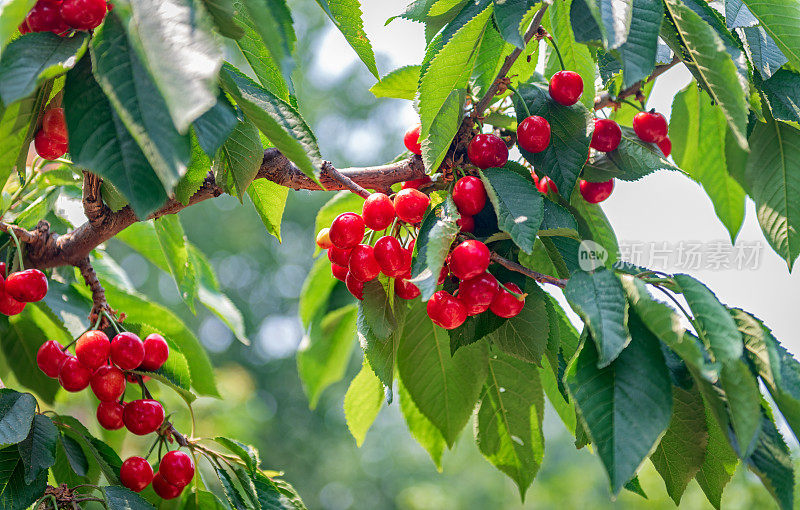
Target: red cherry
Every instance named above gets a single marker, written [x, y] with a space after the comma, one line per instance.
[28, 286]
[533, 133]
[177, 468]
[391, 256]
[410, 205]
[3, 269]
[136, 474]
[469, 195]
[8, 305]
[92, 349]
[566, 87]
[49, 358]
[46, 17]
[363, 266]
[378, 212]
[411, 140]
[108, 383]
[134, 378]
[156, 352]
[24, 28]
[324, 238]
[466, 223]
[48, 148]
[666, 146]
[127, 351]
[506, 304]
[416, 183]
[546, 185]
[339, 272]
[477, 293]
[164, 489]
[54, 125]
[143, 416]
[469, 259]
[405, 289]
[443, 274]
[347, 230]
[338, 256]
[72, 375]
[356, 287]
[446, 311]
[83, 14]
[650, 126]
[487, 151]
[607, 135]
[596, 192]
[109, 415]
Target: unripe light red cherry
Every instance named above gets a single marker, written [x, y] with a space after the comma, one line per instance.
[446, 311]
[596, 192]
[411, 140]
[355, 286]
[28, 286]
[49, 358]
[666, 146]
[339, 272]
[108, 383]
[466, 223]
[391, 256]
[339, 256]
[607, 135]
[324, 238]
[405, 289]
[410, 205]
[164, 489]
[46, 17]
[566, 87]
[92, 349]
[109, 415]
[83, 14]
[363, 266]
[469, 194]
[177, 468]
[347, 230]
[507, 305]
[487, 151]
[469, 259]
[143, 416]
[127, 351]
[156, 352]
[54, 124]
[72, 376]
[477, 293]
[416, 183]
[136, 474]
[378, 212]
[533, 134]
[650, 126]
[49, 148]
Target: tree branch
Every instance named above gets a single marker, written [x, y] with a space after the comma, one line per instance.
[539, 277]
[606, 99]
[99, 302]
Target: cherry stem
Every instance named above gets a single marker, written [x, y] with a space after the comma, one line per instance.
[112, 321]
[512, 292]
[97, 323]
[631, 103]
[19, 248]
[521, 100]
[558, 52]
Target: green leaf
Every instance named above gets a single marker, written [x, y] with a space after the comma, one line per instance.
[682, 450]
[767, 58]
[224, 12]
[400, 83]
[614, 19]
[558, 221]
[74, 455]
[203, 500]
[779, 18]
[325, 351]
[772, 463]
[105, 456]
[744, 401]
[346, 15]
[99, 141]
[176, 43]
[278, 120]
[773, 179]
[698, 130]
[594, 225]
[569, 140]
[175, 248]
[781, 95]
[600, 301]
[576, 56]
[436, 234]
[489, 60]
[232, 493]
[509, 428]
[38, 450]
[316, 291]
[625, 406]
[378, 327]
[276, 494]
[638, 53]
[12, 14]
[445, 388]
[120, 498]
[22, 336]
[273, 22]
[241, 155]
[509, 14]
[15, 494]
[15, 120]
[443, 129]
[631, 161]
[269, 199]
[362, 403]
[34, 58]
[244, 451]
[192, 180]
[526, 335]
[423, 430]
[16, 416]
[719, 464]
[517, 203]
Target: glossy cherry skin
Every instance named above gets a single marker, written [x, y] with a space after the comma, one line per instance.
[339, 272]
[487, 151]
[108, 383]
[127, 351]
[446, 311]
[607, 135]
[347, 230]
[177, 468]
[469, 259]
[596, 192]
[164, 489]
[355, 286]
[546, 185]
[28, 286]
[54, 124]
[338, 256]
[92, 349]
[650, 126]
[411, 140]
[416, 183]
[477, 293]
[410, 205]
[136, 474]
[49, 148]
[8, 305]
[378, 212]
[49, 358]
[156, 352]
[143, 416]
[324, 238]
[363, 266]
[24, 28]
[73, 376]
[46, 17]
[405, 289]
[83, 14]
[533, 134]
[466, 223]
[469, 194]
[666, 146]
[391, 256]
[507, 305]
[566, 87]
[109, 415]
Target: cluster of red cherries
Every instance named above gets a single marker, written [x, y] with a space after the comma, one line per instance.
[63, 16]
[51, 141]
[175, 472]
[20, 288]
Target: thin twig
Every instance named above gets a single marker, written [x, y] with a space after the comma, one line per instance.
[352, 185]
[606, 99]
[100, 308]
[539, 277]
